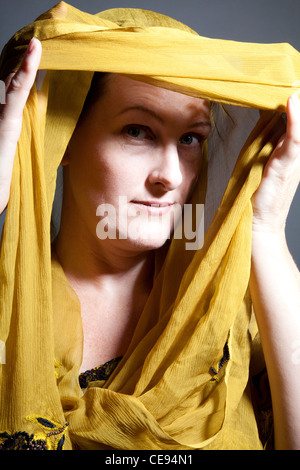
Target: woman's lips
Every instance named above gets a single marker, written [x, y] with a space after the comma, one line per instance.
[153, 207]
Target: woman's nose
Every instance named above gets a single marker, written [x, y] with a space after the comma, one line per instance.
[166, 170]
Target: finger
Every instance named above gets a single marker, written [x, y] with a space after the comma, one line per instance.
[288, 147]
[21, 83]
[8, 80]
[293, 123]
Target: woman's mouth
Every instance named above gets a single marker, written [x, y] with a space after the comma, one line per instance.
[153, 207]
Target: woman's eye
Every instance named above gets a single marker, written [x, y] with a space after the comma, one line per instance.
[138, 132]
[191, 139]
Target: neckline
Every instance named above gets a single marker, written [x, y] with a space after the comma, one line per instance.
[102, 372]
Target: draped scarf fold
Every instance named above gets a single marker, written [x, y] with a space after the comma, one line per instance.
[172, 390]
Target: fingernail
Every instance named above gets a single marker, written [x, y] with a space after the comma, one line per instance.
[31, 45]
[295, 99]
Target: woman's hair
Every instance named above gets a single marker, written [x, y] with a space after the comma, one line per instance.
[96, 91]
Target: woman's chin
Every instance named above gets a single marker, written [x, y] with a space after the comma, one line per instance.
[141, 243]
[136, 234]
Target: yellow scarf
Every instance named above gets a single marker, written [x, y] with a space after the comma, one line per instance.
[163, 394]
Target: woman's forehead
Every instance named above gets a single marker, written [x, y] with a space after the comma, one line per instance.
[125, 93]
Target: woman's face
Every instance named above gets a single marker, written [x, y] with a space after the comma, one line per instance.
[133, 160]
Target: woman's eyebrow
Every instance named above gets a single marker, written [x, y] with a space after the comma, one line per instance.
[144, 110]
[158, 117]
[201, 124]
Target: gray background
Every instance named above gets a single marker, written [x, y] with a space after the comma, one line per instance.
[265, 21]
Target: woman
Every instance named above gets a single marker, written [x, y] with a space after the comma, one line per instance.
[153, 165]
[145, 143]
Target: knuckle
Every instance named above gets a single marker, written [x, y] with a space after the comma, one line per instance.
[296, 140]
[15, 84]
[8, 80]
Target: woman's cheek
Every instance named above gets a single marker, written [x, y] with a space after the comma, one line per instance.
[191, 174]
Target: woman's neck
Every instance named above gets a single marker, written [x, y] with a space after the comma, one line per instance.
[97, 264]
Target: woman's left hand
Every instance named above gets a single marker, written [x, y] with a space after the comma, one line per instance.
[272, 200]
[275, 280]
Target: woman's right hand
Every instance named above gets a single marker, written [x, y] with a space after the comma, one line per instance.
[18, 86]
